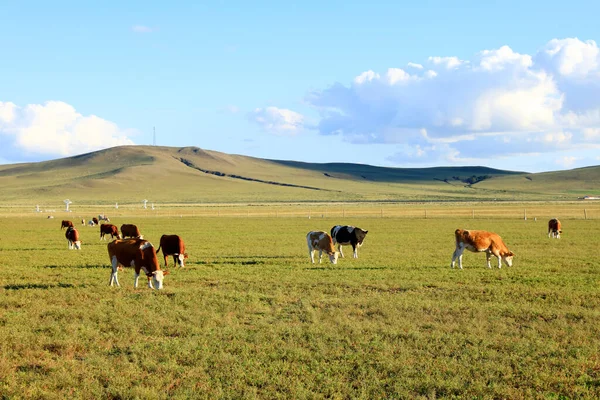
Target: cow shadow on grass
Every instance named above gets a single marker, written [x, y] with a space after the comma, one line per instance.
[339, 267]
[21, 286]
[86, 266]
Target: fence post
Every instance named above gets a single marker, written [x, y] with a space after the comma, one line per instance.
[525, 214]
[584, 213]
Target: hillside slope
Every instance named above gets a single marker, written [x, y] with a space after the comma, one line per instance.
[129, 174]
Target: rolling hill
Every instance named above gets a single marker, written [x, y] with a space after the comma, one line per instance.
[128, 174]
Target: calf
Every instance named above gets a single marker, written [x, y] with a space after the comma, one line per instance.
[477, 241]
[321, 241]
[344, 234]
[109, 229]
[73, 237]
[140, 255]
[130, 230]
[172, 245]
[65, 224]
[95, 221]
[82, 222]
[91, 223]
[554, 228]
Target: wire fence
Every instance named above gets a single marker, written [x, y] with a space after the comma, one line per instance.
[496, 210]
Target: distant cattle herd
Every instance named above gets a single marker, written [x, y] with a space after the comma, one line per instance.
[140, 254]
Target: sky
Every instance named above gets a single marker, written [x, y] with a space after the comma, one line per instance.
[512, 85]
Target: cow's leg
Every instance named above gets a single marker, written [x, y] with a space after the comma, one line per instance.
[136, 278]
[181, 258]
[457, 254]
[113, 275]
[311, 254]
[355, 251]
[499, 260]
[175, 261]
[320, 255]
[488, 257]
[340, 250]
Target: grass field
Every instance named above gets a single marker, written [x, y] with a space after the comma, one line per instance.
[250, 317]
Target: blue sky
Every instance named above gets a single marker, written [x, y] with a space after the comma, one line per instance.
[512, 85]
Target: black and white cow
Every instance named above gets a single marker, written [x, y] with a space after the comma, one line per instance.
[344, 234]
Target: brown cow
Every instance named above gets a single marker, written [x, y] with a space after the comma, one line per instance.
[321, 241]
[130, 230]
[95, 221]
[172, 245]
[109, 229]
[73, 237]
[477, 241]
[140, 255]
[554, 228]
[65, 224]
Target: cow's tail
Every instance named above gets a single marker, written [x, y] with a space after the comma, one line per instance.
[157, 250]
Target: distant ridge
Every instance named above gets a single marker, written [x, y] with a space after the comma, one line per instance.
[193, 175]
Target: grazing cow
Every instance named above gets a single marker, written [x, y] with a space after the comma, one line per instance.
[91, 223]
[554, 228]
[130, 230]
[172, 245]
[73, 237]
[321, 241]
[343, 234]
[95, 221]
[140, 255]
[103, 217]
[109, 229]
[477, 241]
[65, 224]
[82, 222]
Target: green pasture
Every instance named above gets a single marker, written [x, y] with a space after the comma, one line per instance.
[250, 316]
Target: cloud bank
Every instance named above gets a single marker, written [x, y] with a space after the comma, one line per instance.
[54, 129]
[499, 103]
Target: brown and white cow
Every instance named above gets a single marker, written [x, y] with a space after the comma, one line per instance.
[109, 229]
[481, 241]
[95, 220]
[65, 224]
[172, 245]
[72, 236]
[130, 230]
[82, 222]
[321, 241]
[140, 255]
[554, 228]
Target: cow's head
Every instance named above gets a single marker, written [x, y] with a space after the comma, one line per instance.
[360, 235]
[157, 279]
[333, 257]
[78, 245]
[180, 259]
[508, 258]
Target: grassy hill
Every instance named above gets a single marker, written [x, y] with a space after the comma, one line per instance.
[128, 174]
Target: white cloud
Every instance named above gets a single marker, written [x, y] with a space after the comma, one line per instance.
[571, 57]
[447, 62]
[493, 60]
[567, 161]
[142, 29]
[55, 129]
[497, 104]
[414, 65]
[278, 120]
